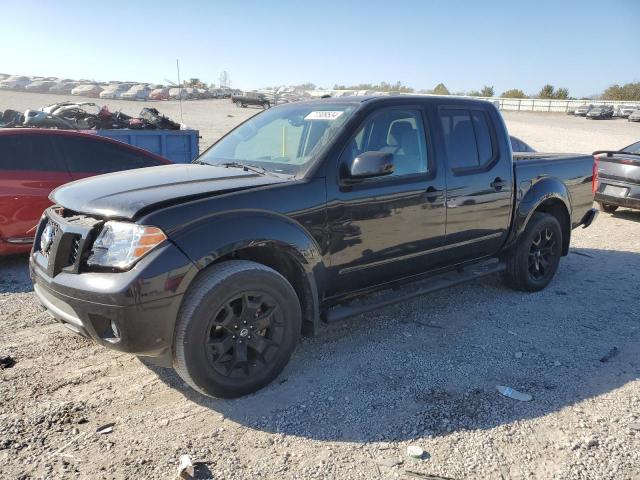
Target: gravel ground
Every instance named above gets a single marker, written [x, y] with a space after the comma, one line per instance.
[352, 399]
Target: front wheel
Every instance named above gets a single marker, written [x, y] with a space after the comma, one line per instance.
[535, 259]
[607, 207]
[238, 325]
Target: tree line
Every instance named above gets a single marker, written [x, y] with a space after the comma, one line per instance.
[628, 91]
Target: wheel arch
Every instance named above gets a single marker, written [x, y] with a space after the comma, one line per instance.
[551, 196]
[272, 240]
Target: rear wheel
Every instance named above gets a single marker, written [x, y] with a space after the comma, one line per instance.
[535, 260]
[607, 207]
[236, 329]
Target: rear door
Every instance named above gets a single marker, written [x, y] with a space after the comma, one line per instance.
[86, 156]
[479, 180]
[29, 171]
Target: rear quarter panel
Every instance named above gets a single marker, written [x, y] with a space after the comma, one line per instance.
[565, 177]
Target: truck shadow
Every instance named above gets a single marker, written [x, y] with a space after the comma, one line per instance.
[431, 366]
[633, 215]
[14, 274]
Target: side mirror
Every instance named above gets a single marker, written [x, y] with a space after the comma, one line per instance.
[369, 165]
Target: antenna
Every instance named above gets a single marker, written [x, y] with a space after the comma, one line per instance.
[180, 90]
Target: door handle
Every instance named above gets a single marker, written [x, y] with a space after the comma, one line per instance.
[432, 194]
[497, 184]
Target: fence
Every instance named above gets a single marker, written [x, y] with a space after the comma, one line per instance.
[517, 104]
[544, 105]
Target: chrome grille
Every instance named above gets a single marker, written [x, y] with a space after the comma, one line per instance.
[62, 240]
[75, 250]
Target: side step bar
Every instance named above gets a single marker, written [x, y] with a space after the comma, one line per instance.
[433, 284]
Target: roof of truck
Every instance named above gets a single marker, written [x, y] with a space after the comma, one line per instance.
[395, 98]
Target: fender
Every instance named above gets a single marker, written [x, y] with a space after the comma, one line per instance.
[532, 194]
[220, 235]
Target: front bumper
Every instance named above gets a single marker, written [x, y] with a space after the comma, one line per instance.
[133, 311]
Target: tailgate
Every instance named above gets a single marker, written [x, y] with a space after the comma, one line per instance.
[619, 168]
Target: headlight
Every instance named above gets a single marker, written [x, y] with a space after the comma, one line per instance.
[120, 244]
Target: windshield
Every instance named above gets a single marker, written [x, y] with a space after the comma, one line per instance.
[285, 139]
[633, 148]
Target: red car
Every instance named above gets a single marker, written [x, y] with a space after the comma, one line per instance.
[35, 161]
[159, 94]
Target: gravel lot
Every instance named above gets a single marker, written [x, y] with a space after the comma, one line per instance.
[352, 399]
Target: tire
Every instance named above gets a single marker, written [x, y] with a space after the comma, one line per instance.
[218, 349]
[535, 259]
[607, 207]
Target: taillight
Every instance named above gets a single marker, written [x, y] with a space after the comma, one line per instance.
[594, 178]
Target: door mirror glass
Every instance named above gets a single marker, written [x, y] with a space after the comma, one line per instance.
[371, 164]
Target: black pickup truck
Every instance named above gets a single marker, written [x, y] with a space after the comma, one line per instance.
[293, 218]
[251, 98]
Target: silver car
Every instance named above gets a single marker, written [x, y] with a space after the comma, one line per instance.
[582, 110]
[618, 181]
[137, 92]
[634, 116]
[624, 111]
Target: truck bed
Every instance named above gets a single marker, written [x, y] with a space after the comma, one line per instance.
[573, 170]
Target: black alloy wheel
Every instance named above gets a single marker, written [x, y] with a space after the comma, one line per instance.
[533, 263]
[236, 329]
[244, 334]
[542, 253]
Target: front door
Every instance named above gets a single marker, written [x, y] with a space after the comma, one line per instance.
[382, 228]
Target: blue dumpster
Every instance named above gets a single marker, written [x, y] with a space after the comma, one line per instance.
[179, 146]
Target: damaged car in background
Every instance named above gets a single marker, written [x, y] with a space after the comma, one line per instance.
[618, 178]
[34, 161]
[600, 112]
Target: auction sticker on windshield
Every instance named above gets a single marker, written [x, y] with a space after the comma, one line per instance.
[324, 115]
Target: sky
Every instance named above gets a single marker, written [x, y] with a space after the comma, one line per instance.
[584, 45]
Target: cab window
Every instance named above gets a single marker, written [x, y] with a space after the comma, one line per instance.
[396, 131]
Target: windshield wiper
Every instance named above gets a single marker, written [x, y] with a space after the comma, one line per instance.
[252, 168]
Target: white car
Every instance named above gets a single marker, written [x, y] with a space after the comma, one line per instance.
[15, 82]
[137, 92]
[176, 93]
[63, 87]
[115, 90]
[87, 90]
[40, 86]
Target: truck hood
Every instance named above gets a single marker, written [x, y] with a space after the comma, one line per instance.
[131, 193]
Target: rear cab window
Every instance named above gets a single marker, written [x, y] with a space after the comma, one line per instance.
[469, 139]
